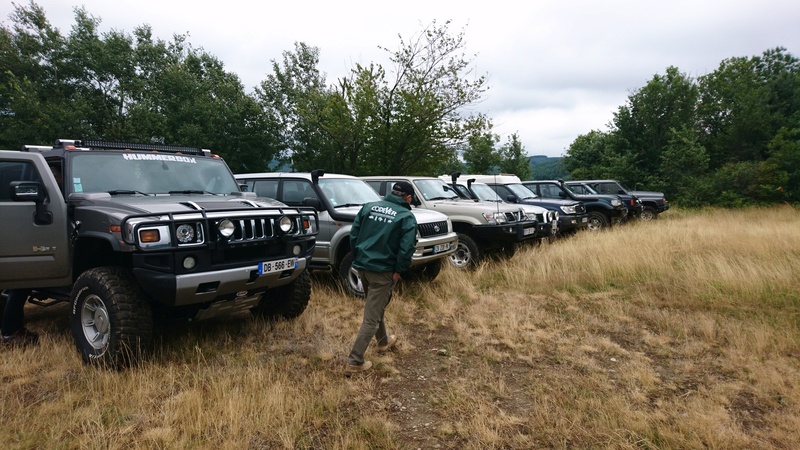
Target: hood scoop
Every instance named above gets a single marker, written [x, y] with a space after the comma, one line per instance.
[192, 205]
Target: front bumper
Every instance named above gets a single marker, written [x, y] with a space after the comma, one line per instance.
[513, 232]
[206, 287]
[574, 222]
[435, 247]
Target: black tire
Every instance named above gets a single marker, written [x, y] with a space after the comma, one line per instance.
[111, 319]
[351, 282]
[597, 221]
[285, 302]
[648, 213]
[467, 254]
[424, 273]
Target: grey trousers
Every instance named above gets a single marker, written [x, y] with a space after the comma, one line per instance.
[378, 288]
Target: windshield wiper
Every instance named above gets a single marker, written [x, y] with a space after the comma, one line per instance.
[192, 191]
[344, 205]
[126, 192]
[444, 198]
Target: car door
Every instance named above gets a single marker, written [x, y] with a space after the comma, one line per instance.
[34, 253]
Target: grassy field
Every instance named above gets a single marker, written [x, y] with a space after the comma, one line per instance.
[683, 333]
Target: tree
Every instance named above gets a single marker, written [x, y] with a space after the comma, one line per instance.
[586, 154]
[32, 93]
[480, 154]
[641, 128]
[684, 164]
[513, 159]
[744, 104]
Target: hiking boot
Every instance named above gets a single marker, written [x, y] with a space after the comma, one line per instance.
[352, 368]
[389, 345]
[21, 338]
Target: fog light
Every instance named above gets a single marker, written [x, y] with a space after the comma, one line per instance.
[226, 228]
[189, 263]
[296, 250]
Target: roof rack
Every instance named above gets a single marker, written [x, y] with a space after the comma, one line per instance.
[94, 144]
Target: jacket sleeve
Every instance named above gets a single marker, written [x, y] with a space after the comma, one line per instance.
[408, 243]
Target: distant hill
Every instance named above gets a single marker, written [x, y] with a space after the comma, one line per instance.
[547, 167]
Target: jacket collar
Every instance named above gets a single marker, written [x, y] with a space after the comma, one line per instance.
[398, 200]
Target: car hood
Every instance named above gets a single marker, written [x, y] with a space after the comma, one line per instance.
[427, 215]
[125, 205]
[478, 205]
[649, 194]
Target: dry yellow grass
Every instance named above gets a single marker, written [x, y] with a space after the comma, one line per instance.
[675, 334]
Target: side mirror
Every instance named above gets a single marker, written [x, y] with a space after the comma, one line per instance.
[511, 198]
[313, 202]
[27, 191]
[32, 191]
[243, 187]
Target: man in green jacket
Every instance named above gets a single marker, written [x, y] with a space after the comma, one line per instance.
[383, 239]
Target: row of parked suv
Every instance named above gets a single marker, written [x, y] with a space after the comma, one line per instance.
[134, 234]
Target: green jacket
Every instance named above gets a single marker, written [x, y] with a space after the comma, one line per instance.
[384, 236]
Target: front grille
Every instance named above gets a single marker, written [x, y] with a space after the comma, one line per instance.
[516, 216]
[251, 229]
[432, 229]
[257, 228]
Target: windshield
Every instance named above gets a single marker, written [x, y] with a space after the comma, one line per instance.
[485, 193]
[149, 173]
[521, 191]
[347, 191]
[435, 190]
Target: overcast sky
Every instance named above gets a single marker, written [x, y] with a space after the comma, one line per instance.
[556, 69]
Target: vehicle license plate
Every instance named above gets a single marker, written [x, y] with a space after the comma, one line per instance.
[277, 266]
[528, 231]
[439, 248]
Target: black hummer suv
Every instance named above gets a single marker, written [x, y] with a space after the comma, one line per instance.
[141, 232]
[603, 210]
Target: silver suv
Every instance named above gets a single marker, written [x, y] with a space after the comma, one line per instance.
[338, 198]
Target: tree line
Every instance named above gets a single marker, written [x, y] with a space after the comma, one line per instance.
[730, 137]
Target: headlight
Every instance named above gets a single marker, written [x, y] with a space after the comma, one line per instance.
[616, 202]
[285, 224]
[496, 217]
[226, 228]
[568, 209]
[185, 233]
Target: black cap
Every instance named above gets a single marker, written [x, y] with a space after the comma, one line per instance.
[404, 187]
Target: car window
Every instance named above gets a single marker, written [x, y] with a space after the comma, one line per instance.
[294, 191]
[347, 191]
[265, 188]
